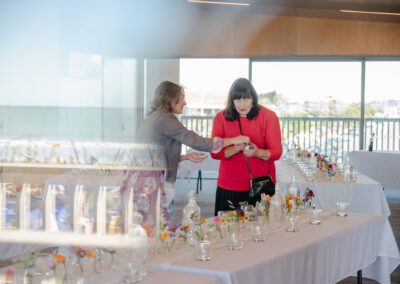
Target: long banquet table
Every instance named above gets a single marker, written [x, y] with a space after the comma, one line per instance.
[325, 253]
[382, 166]
[365, 196]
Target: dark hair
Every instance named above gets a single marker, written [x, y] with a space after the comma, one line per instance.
[241, 88]
[165, 95]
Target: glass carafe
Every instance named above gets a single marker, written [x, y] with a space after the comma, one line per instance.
[347, 170]
[191, 210]
[293, 188]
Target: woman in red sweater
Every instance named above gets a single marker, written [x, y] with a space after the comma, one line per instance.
[261, 125]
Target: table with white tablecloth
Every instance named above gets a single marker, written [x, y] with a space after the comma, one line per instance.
[382, 166]
[365, 196]
[324, 253]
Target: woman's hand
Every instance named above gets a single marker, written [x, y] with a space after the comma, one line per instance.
[250, 150]
[195, 157]
[234, 149]
[236, 140]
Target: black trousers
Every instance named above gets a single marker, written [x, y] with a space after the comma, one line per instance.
[223, 195]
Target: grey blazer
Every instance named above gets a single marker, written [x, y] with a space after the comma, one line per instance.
[166, 130]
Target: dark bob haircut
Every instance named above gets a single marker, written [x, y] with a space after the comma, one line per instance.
[241, 88]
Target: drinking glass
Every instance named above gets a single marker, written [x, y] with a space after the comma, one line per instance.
[44, 267]
[315, 218]
[235, 241]
[342, 209]
[292, 223]
[258, 229]
[203, 250]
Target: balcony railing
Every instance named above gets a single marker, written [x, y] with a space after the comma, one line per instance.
[326, 134]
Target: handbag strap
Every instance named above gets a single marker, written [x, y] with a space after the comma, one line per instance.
[245, 157]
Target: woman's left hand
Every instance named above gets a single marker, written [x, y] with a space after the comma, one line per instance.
[250, 150]
[196, 157]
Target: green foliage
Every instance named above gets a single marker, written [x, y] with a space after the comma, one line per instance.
[271, 98]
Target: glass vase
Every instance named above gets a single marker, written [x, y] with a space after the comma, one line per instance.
[292, 222]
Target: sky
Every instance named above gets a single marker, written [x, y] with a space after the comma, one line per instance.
[297, 81]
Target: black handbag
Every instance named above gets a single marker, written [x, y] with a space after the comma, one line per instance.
[261, 184]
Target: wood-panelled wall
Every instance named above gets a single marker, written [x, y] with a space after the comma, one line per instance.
[215, 34]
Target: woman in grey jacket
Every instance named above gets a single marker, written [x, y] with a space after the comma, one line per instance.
[162, 127]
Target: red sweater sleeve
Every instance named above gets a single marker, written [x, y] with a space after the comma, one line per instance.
[218, 131]
[273, 136]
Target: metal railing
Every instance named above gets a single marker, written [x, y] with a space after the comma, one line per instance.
[326, 134]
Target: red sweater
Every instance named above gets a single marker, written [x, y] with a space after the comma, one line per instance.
[264, 131]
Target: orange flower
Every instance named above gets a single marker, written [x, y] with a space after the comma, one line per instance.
[203, 220]
[268, 199]
[164, 235]
[148, 229]
[89, 254]
[59, 258]
[290, 206]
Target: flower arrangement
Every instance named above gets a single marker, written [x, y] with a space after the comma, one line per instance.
[217, 222]
[82, 254]
[308, 197]
[167, 236]
[292, 202]
[59, 259]
[9, 275]
[263, 206]
[326, 167]
[182, 232]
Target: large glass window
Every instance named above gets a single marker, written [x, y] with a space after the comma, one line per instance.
[93, 98]
[382, 104]
[318, 102]
[207, 83]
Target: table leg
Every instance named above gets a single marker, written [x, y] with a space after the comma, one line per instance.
[199, 183]
[359, 276]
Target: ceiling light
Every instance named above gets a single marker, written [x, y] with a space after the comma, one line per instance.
[219, 2]
[370, 12]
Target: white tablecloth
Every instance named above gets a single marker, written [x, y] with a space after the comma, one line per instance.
[382, 166]
[366, 195]
[317, 254]
[155, 277]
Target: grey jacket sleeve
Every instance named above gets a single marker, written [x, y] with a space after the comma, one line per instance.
[173, 128]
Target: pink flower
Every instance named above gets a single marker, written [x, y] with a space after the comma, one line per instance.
[266, 197]
[216, 220]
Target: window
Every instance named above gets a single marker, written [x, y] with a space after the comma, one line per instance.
[318, 102]
[207, 82]
[382, 104]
